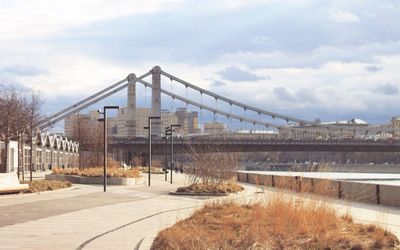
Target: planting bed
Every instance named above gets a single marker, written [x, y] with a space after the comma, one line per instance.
[45, 185]
[275, 224]
[116, 176]
[210, 189]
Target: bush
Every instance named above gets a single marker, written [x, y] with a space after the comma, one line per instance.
[211, 169]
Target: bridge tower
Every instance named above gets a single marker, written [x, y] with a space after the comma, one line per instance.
[131, 108]
[156, 100]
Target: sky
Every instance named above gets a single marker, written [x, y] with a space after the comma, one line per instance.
[332, 60]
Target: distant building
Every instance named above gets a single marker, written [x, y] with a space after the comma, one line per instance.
[188, 120]
[337, 130]
[117, 126]
[214, 128]
[71, 123]
[396, 127]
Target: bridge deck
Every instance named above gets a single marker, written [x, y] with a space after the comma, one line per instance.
[182, 145]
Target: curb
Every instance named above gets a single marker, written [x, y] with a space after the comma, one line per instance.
[5, 196]
[96, 180]
[146, 243]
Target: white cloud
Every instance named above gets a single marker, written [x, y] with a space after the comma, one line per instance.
[322, 74]
[19, 18]
[340, 16]
[335, 87]
[364, 52]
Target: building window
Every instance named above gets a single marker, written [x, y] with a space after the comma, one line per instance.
[61, 159]
[27, 157]
[39, 159]
[48, 157]
[55, 159]
[12, 158]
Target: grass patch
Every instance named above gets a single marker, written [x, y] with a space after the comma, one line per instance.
[274, 224]
[112, 172]
[222, 188]
[154, 170]
[45, 185]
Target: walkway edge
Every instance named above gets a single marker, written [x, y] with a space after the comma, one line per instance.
[146, 243]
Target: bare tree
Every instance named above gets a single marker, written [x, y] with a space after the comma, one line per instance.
[89, 134]
[33, 116]
[210, 166]
[11, 106]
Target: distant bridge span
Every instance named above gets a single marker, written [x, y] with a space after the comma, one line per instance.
[183, 145]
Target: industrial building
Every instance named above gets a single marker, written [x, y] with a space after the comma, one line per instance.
[49, 150]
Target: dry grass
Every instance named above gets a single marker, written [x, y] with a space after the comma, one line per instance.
[154, 170]
[46, 185]
[222, 188]
[275, 224]
[112, 172]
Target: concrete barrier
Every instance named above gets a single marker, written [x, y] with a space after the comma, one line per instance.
[362, 192]
[285, 182]
[242, 177]
[356, 191]
[389, 195]
[326, 187]
[95, 180]
[9, 183]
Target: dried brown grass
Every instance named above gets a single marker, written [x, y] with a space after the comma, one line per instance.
[154, 170]
[278, 223]
[46, 185]
[112, 172]
[222, 188]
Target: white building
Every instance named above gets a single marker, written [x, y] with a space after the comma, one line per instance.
[49, 150]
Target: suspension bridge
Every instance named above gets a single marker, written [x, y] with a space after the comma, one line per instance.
[339, 138]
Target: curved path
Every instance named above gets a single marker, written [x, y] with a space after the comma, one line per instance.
[86, 218]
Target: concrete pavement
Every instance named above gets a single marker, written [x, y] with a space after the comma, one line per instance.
[87, 218]
[125, 217]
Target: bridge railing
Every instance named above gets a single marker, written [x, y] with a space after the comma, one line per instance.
[237, 141]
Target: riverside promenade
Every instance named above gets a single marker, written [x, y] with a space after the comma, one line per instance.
[84, 217]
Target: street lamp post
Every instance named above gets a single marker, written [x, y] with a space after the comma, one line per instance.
[104, 112]
[172, 146]
[166, 133]
[149, 128]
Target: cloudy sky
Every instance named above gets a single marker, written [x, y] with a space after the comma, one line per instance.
[311, 59]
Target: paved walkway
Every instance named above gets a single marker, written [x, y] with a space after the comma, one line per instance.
[86, 218]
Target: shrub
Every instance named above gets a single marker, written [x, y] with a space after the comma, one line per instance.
[210, 169]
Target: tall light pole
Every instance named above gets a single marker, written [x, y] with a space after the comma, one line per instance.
[104, 112]
[172, 146]
[166, 134]
[149, 128]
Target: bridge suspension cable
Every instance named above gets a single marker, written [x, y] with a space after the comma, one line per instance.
[236, 103]
[202, 106]
[274, 115]
[241, 118]
[48, 122]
